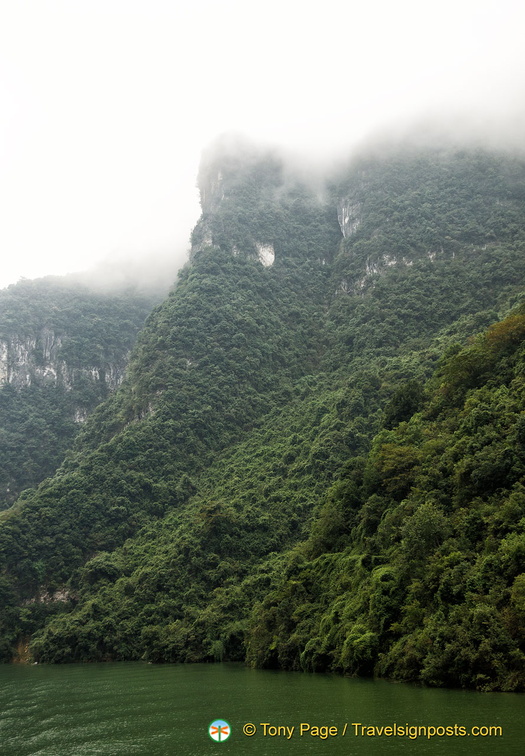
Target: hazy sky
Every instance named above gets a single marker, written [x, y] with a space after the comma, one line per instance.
[106, 105]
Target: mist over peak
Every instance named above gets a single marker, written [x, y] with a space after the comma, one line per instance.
[152, 273]
[101, 154]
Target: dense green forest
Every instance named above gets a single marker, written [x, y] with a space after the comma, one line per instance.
[315, 460]
[63, 348]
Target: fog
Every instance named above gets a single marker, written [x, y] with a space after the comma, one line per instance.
[106, 106]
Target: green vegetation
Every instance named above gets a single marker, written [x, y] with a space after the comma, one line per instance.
[63, 347]
[315, 465]
[414, 568]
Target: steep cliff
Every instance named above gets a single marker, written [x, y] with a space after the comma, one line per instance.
[63, 349]
[260, 462]
[254, 206]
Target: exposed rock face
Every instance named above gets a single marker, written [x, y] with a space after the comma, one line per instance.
[373, 269]
[4, 372]
[349, 216]
[222, 187]
[63, 349]
[26, 359]
[258, 206]
[211, 191]
[266, 254]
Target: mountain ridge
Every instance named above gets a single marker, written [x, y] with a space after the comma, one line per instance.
[232, 458]
[63, 349]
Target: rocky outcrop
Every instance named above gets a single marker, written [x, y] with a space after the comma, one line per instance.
[266, 254]
[349, 216]
[24, 360]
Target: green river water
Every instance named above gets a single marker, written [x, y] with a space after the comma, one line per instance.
[113, 709]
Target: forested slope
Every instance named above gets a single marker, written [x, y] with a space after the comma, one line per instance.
[63, 349]
[415, 568]
[286, 474]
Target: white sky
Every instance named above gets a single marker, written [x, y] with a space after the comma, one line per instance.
[105, 105]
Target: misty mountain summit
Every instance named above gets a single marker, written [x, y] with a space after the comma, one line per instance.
[315, 460]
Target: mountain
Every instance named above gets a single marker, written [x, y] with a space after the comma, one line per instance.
[63, 349]
[307, 463]
[415, 567]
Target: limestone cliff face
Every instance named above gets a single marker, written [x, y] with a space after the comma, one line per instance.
[63, 334]
[63, 349]
[349, 214]
[223, 189]
[25, 360]
[256, 205]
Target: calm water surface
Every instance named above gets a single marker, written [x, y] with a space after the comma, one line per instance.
[113, 709]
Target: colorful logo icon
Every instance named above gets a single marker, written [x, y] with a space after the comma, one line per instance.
[219, 730]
